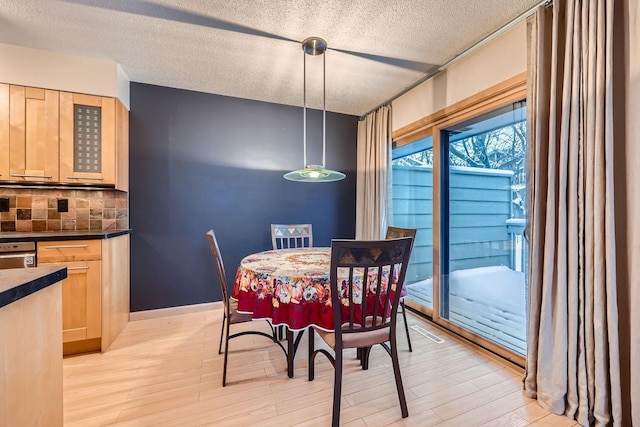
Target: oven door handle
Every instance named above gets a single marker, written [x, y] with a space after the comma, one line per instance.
[17, 260]
[16, 255]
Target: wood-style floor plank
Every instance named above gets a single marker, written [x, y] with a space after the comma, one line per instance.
[167, 372]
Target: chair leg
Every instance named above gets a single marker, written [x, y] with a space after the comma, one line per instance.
[398, 376]
[291, 352]
[406, 325]
[337, 388]
[224, 319]
[226, 353]
[311, 355]
[366, 351]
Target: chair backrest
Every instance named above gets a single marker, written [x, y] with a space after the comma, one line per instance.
[284, 236]
[222, 278]
[365, 280]
[395, 232]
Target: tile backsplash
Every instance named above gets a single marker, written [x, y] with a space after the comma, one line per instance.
[37, 210]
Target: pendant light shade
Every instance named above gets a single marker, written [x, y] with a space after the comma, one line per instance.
[314, 173]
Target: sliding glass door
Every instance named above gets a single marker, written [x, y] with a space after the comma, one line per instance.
[464, 189]
[483, 214]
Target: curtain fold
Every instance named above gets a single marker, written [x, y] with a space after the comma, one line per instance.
[573, 352]
[373, 180]
[629, 28]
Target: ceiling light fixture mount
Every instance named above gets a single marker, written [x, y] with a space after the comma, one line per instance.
[314, 46]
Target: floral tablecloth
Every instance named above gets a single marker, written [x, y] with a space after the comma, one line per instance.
[291, 287]
[286, 286]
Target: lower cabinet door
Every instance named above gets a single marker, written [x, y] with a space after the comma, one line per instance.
[81, 317]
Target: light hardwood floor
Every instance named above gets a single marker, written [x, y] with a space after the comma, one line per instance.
[167, 372]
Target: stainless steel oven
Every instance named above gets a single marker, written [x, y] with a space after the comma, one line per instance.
[17, 255]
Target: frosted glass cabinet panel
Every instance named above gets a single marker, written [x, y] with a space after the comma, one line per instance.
[87, 139]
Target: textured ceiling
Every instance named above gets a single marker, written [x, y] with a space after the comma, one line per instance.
[251, 48]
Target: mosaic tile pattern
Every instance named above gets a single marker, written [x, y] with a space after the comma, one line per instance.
[37, 210]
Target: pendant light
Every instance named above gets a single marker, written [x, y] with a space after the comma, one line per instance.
[314, 173]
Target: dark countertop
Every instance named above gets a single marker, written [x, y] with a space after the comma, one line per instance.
[32, 236]
[17, 283]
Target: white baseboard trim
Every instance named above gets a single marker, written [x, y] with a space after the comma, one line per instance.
[174, 311]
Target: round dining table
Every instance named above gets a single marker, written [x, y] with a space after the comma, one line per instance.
[291, 288]
[288, 287]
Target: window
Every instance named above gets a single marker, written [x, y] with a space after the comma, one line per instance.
[412, 174]
[463, 187]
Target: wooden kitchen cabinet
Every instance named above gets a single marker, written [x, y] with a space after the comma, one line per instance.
[95, 294]
[31, 361]
[4, 131]
[63, 137]
[94, 134]
[29, 134]
[81, 319]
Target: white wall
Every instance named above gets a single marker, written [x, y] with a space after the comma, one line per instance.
[52, 70]
[499, 60]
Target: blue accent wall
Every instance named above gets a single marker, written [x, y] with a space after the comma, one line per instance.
[200, 161]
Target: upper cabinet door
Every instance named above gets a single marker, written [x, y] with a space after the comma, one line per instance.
[33, 134]
[87, 139]
[4, 132]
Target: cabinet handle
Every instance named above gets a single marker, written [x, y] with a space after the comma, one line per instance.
[77, 268]
[88, 178]
[21, 175]
[66, 246]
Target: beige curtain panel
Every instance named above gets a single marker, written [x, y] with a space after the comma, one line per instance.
[573, 360]
[627, 92]
[373, 157]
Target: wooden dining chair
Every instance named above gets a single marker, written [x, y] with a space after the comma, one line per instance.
[284, 236]
[393, 233]
[365, 277]
[231, 315]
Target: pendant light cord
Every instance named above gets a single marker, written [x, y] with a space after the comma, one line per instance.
[304, 108]
[324, 108]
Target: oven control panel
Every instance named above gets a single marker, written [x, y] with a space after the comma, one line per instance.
[17, 247]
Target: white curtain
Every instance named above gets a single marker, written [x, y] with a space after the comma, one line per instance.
[373, 180]
[573, 359]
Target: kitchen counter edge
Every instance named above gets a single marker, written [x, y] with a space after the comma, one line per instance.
[18, 283]
[35, 236]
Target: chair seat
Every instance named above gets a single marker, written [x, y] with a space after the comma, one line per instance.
[234, 316]
[358, 339]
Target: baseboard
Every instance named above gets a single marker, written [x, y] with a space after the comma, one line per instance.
[84, 346]
[173, 311]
